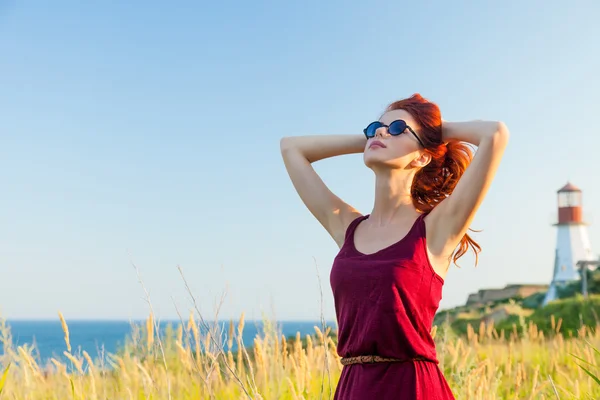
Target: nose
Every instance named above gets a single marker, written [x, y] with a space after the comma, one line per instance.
[381, 132]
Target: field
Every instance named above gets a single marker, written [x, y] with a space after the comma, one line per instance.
[190, 361]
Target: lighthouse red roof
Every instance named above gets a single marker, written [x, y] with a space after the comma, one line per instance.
[569, 187]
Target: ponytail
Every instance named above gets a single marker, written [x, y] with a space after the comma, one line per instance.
[436, 181]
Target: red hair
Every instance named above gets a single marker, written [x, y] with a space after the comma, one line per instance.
[436, 181]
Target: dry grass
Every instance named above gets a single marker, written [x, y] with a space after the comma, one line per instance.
[484, 365]
[201, 360]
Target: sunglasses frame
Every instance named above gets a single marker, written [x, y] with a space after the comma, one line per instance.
[388, 129]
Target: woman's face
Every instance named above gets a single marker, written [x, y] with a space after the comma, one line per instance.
[393, 152]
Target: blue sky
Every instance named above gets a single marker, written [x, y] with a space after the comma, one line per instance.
[152, 130]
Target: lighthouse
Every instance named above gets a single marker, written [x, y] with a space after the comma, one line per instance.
[572, 240]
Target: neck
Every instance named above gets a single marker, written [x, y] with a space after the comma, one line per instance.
[392, 197]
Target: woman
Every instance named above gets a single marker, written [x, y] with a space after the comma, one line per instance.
[388, 275]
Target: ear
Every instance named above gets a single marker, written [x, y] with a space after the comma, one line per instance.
[421, 160]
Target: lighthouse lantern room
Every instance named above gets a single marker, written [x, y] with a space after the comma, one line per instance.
[569, 205]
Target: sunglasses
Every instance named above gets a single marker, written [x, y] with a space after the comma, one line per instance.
[396, 128]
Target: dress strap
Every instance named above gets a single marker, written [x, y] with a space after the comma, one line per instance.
[352, 226]
[420, 222]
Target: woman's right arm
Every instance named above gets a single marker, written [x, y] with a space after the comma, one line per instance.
[298, 153]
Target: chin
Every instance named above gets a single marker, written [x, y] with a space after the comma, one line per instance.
[378, 161]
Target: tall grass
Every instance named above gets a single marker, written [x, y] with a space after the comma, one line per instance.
[201, 362]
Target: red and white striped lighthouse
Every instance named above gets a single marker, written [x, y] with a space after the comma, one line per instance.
[572, 240]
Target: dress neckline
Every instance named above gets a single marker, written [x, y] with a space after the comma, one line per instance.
[365, 217]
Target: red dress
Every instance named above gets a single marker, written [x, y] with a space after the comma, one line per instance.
[385, 303]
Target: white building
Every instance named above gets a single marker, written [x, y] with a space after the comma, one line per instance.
[572, 240]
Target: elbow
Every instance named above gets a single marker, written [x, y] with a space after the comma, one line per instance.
[285, 144]
[291, 147]
[502, 129]
[502, 133]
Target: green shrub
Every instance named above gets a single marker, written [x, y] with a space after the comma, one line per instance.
[459, 326]
[574, 312]
[533, 301]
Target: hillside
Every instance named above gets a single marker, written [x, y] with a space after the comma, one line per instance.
[567, 314]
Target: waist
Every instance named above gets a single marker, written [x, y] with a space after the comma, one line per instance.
[370, 359]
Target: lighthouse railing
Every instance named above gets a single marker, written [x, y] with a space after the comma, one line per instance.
[584, 266]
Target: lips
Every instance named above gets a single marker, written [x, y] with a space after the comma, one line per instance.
[377, 143]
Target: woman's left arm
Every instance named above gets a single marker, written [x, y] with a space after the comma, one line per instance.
[453, 216]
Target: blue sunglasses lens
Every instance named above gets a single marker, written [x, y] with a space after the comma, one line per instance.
[397, 127]
[373, 126]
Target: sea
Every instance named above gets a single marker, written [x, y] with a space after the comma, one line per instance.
[101, 337]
